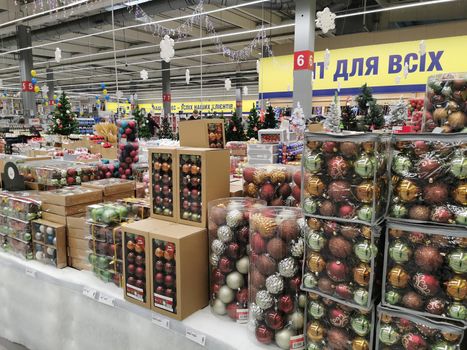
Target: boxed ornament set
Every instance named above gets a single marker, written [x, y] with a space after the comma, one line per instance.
[49, 243]
[262, 154]
[205, 133]
[111, 186]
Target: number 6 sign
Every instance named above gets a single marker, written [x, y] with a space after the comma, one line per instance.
[303, 60]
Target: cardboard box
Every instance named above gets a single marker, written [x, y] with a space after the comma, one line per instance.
[163, 171]
[207, 133]
[79, 233]
[137, 283]
[66, 211]
[73, 195]
[55, 241]
[140, 191]
[115, 197]
[109, 153]
[213, 166]
[80, 264]
[185, 249]
[78, 243]
[111, 186]
[76, 221]
[54, 218]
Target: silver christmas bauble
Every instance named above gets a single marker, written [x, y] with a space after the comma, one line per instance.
[225, 233]
[242, 265]
[283, 338]
[296, 319]
[235, 280]
[214, 259]
[226, 295]
[302, 300]
[287, 267]
[42, 228]
[234, 218]
[274, 284]
[219, 307]
[303, 226]
[264, 300]
[296, 248]
[256, 312]
[217, 247]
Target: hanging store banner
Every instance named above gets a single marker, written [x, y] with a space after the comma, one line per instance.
[380, 66]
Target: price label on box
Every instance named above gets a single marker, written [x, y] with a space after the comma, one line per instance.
[297, 342]
[303, 60]
[160, 321]
[242, 315]
[195, 337]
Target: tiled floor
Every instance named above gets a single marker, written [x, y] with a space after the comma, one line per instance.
[6, 345]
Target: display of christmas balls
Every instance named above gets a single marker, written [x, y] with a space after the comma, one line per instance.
[415, 114]
[429, 178]
[216, 135]
[127, 130]
[19, 247]
[275, 302]
[162, 184]
[165, 278]
[45, 254]
[107, 213]
[107, 169]
[228, 255]
[127, 157]
[271, 183]
[340, 261]
[344, 176]
[138, 208]
[426, 270]
[20, 229]
[401, 331]
[446, 103]
[330, 325]
[66, 175]
[21, 208]
[191, 201]
[135, 266]
[44, 234]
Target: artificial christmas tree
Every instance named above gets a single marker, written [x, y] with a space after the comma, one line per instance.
[235, 131]
[165, 132]
[398, 114]
[254, 124]
[332, 121]
[63, 120]
[373, 117]
[364, 99]
[143, 124]
[349, 121]
[270, 121]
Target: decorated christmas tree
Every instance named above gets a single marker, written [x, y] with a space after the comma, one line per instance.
[375, 116]
[349, 121]
[165, 131]
[144, 131]
[398, 113]
[364, 99]
[235, 131]
[254, 124]
[332, 121]
[63, 120]
[270, 121]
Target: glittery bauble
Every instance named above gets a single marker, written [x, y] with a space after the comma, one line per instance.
[413, 341]
[234, 218]
[350, 232]
[297, 247]
[274, 284]
[287, 267]
[265, 226]
[428, 258]
[401, 165]
[460, 194]
[264, 300]
[259, 176]
[316, 263]
[337, 339]
[339, 247]
[325, 285]
[398, 277]
[315, 186]
[365, 213]
[313, 163]
[365, 166]
[250, 189]
[420, 213]
[459, 166]
[225, 233]
[338, 317]
[348, 149]
[316, 309]
[435, 193]
[388, 334]
[264, 335]
[360, 344]
[274, 319]
[337, 167]
[425, 284]
[366, 191]
[399, 211]
[457, 120]
[337, 271]
[282, 338]
[360, 325]
[217, 247]
[407, 190]
[457, 261]
[289, 230]
[309, 281]
[417, 237]
[226, 295]
[457, 288]
[344, 291]
[266, 265]
[361, 274]
[412, 301]
[277, 248]
[435, 306]
[392, 297]
[461, 217]
[278, 176]
[315, 241]
[327, 208]
[256, 312]
[339, 190]
[400, 252]
[315, 331]
[364, 250]
[235, 280]
[214, 259]
[457, 311]
[310, 205]
[451, 337]
[225, 264]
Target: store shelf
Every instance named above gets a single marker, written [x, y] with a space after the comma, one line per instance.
[43, 299]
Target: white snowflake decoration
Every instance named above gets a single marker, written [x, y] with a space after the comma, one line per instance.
[327, 58]
[167, 48]
[228, 84]
[187, 76]
[406, 70]
[422, 48]
[326, 20]
[119, 94]
[44, 89]
[144, 74]
[245, 90]
[58, 55]
[258, 66]
[397, 79]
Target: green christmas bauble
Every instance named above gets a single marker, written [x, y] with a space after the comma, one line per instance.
[401, 165]
[400, 252]
[316, 309]
[365, 251]
[310, 206]
[102, 262]
[92, 259]
[399, 211]
[309, 281]
[122, 212]
[316, 241]
[27, 236]
[459, 166]
[96, 214]
[365, 213]
[365, 166]
[313, 346]
[313, 163]
[105, 275]
[110, 215]
[388, 335]
[458, 261]
[461, 218]
[360, 325]
[442, 345]
[361, 296]
[392, 297]
[457, 311]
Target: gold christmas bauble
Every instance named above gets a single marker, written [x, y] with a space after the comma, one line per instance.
[440, 115]
[457, 120]
[313, 296]
[457, 288]
[264, 225]
[316, 263]
[315, 186]
[368, 146]
[451, 337]
[408, 190]
[361, 274]
[277, 176]
[396, 233]
[460, 194]
[315, 331]
[250, 190]
[364, 192]
[366, 232]
[360, 344]
[260, 176]
[398, 277]
[314, 224]
[385, 318]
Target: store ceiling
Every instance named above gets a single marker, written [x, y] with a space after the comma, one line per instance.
[89, 60]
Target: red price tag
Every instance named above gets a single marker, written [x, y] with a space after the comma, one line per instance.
[303, 60]
[166, 97]
[27, 86]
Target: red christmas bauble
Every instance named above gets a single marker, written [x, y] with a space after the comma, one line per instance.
[218, 277]
[215, 288]
[412, 300]
[266, 265]
[257, 279]
[327, 208]
[264, 334]
[340, 247]
[244, 234]
[435, 193]
[274, 319]
[329, 147]
[339, 190]
[427, 168]
[267, 192]
[242, 296]
[295, 283]
[404, 324]
[427, 285]
[232, 310]
[428, 258]
[330, 227]
[289, 230]
[338, 339]
[258, 244]
[435, 306]
[277, 248]
[337, 167]
[234, 250]
[413, 341]
[344, 291]
[225, 265]
[325, 285]
[338, 317]
[441, 214]
[420, 147]
[346, 211]
[337, 271]
[286, 303]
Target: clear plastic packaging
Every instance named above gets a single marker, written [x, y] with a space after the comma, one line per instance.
[425, 271]
[127, 130]
[162, 183]
[134, 255]
[65, 174]
[228, 241]
[331, 325]
[276, 243]
[191, 201]
[22, 208]
[138, 208]
[429, 179]
[344, 176]
[341, 261]
[19, 248]
[128, 156]
[445, 103]
[108, 213]
[165, 277]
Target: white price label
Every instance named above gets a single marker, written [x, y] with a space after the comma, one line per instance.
[105, 299]
[160, 321]
[297, 342]
[31, 272]
[195, 337]
[89, 292]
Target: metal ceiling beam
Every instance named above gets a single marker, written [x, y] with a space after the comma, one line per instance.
[266, 16]
[231, 17]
